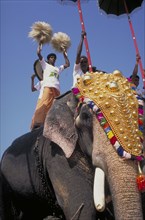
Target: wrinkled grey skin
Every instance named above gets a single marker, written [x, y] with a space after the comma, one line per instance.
[72, 179]
[35, 173]
[70, 174]
[120, 174]
[21, 183]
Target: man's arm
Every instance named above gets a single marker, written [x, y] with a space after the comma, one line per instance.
[32, 83]
[39, 52]
[67, 62]
[80, 46]
[135, 70]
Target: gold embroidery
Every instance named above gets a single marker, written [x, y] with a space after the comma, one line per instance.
[112, 93]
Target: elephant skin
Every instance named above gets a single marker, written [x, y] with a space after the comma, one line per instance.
[120, 174]
[21, 182]
[36, 177]
[61, 172]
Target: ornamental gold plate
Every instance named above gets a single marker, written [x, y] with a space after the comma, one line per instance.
[112, 93]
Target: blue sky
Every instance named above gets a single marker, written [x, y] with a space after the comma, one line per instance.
[110, 44]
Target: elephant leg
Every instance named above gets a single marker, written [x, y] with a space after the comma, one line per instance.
[8, 210]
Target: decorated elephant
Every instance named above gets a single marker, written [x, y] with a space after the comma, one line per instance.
[38, 180]
[104, 96]
[69, 151]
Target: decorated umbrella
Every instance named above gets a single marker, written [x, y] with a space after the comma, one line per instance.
[119, 7]
[78, 2]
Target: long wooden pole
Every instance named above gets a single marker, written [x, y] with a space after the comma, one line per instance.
[85, 38]
[135, 44]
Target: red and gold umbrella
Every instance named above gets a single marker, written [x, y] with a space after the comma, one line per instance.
[78, 2]
[119, 7]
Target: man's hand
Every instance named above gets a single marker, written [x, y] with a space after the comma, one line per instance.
[33, 76]
[83, 34]
[39, 48]
[39, 51]
[137, 58]
[63, 49]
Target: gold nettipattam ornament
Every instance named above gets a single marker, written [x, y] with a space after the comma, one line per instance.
[112, 93]
[87, 79]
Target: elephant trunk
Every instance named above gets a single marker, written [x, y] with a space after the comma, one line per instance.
[123, 187]
[121, 176]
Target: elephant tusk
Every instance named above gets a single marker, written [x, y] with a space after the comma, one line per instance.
[99, 195]
[77, 121]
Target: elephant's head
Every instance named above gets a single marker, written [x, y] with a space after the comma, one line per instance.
[60, 125]
[70, 121]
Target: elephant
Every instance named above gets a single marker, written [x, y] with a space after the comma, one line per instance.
[120, 172]
[39, 182]
[54, 168]
[22, 184]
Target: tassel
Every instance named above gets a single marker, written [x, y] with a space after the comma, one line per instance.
[140, 179]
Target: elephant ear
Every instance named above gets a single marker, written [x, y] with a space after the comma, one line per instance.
[59, 124]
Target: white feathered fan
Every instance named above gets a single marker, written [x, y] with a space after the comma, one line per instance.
[41, 32]
[59, 41]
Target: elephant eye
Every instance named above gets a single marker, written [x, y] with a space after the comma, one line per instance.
[79, 108]
[85, 116]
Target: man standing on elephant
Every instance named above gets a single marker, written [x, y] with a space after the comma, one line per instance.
[81, 65]
[51, 85]
[134, 79]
